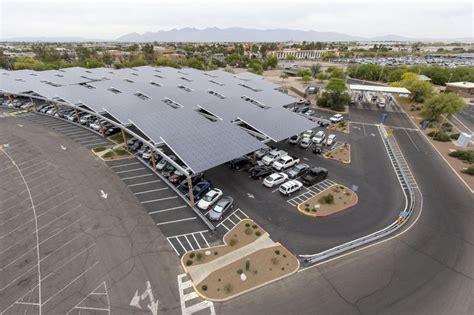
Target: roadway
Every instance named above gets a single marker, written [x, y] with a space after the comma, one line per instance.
[427, 270]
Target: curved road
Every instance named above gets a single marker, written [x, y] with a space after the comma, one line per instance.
[427, 270]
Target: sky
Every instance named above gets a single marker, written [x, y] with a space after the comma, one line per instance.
[109, 19]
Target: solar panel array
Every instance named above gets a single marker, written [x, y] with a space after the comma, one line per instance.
[168, 104]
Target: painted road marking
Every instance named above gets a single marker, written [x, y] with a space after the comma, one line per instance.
[144, 183]
[167, 209]
[160, 199]
[176, 221]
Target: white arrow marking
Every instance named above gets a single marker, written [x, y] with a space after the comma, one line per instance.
[103, 194]
[306, 159]
[153, 307]
[136, 300]
[372, 134]
[250, 196]
[63, 148]
[21, 126]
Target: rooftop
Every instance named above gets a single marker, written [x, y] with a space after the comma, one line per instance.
[377, 88]
[466, 85]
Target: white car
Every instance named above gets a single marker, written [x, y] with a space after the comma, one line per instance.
[273, 156]
[319, 137]
[330, 140]
[294, 139]
[261, 152]
[336, 118]
[275, 179]
[305, 142]
[307, 134]
[290, 187]
[209, 199]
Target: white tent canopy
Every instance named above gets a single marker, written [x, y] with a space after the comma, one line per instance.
[378, 88]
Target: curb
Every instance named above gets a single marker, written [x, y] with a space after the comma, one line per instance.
[325, 155]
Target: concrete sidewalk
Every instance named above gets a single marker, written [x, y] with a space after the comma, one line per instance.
[200, 272]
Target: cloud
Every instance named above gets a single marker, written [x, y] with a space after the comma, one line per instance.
[107, 19]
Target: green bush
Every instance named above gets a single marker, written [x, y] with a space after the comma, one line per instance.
[240, 271]
[204, 287]
[189, 262]
[454, 136]
[247, 224]
[108, 155]
[258, 233]
[328, 199]
[233, 242]
[254, 226]
[99, 149]
[248, 231]
[121, 151]
[439, 136]
[228, 288]
[192, 255]
[463, 155]
[199, 256]
[277, 252]
[469, 170]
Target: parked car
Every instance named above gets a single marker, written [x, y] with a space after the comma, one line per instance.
[305, 142]
[318, 148]
[260, 171]
[220, 208]
[240, 162]
[331, 140]
[261, 152]
[143, 149]
[298, 170]
[275, 179]
[131, 141]
[209, 199]
[72, 117]
[314, 175]
[147, 154]
[52, 111]
[319, 137]
[286, 189]
[323, 122]
[85, 119]
[183, 186]
[336, 118]
[168, 170]
[294, 139]
[310, 112]
[163, 162]
[308, 134]
[177, 177]
[272, 156]
[200, 189]
[285, 162]
[112, 131]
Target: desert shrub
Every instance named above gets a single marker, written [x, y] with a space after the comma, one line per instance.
[189, 262]
[277, 252]
[204, 287]
[439, 136]
[454, 136]
[216, 252]
[240, 271]
[192, 255]
[233, 242]
[247, 224]
[258, 233]
[254, 226]
[327, 199]
[248, 231]
[469, 170]
[463, 155]
[228, 288]
[199, 256]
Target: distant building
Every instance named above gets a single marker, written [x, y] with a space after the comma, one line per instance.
[463, 88]
[301, 54]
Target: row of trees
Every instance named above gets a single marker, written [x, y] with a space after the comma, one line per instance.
[438, 75]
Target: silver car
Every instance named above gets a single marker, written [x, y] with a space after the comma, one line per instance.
[220, 208]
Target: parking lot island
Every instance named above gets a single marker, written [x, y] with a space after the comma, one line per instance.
[330, 201]
[341, 153]
[249, 259]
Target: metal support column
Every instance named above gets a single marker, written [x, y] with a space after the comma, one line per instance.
[153, 160]
[190, 189]
[33, 102]
[124, 136]
[77, 115]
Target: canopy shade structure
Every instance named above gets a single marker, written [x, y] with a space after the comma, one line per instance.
[206, 118]
[377, 88]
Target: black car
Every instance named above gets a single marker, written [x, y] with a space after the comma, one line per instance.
[318, 148]
[136, 146]
[240, 162]
[315, 175]
[258, 172]
[183, 187]
[302, 109]
[111, 131]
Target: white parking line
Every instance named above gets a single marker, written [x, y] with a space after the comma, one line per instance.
[94, 144]
[149, 191]
[168, 209]
[132, 170]
[160, 199]
[144, 183]
[187, 240]
[176, 221]
[126, 164]
[138, 176]
[205, 240]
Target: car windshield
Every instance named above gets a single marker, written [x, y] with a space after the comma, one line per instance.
[208, 197]
[219, 207]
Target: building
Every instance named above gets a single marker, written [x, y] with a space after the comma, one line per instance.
[302, 54]
[462, 88]
[423, 77]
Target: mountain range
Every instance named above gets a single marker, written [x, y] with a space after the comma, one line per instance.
[237, 34]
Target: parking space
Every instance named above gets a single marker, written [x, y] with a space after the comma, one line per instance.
[310, 191]
[47, 253]
[231, 220]
[172, 215]
[79, 134]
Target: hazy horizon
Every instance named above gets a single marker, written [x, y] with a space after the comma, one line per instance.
[108, 20]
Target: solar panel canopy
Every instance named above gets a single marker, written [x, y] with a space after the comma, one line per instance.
[199, 115]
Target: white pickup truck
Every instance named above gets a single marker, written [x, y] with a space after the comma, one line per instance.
[273, 156]
[285, 162]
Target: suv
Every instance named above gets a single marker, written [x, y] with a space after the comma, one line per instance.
[286, 189]
[336, 118]
[294, 139]
[199, 189]
[319, 137]
[258, 172]
[298, 170]
[240, 162]
[315, 175]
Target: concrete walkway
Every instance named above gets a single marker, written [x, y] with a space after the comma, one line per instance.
[200, 272]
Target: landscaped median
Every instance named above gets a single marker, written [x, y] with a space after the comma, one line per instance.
[249, 259]
[342, 126]
[330, 201]
[341, 153]
[111, 153]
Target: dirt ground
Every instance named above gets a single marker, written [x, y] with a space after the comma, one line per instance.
[265, 266]
[341, 153]
[345, 128]
[343, 198]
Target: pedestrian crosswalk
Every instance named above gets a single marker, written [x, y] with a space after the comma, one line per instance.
[191, 302]
[311, 191]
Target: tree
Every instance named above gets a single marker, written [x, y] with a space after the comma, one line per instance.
[315, 69]
[290, 57]
[445, 103]
[306, 78]
[271, 61]
[337, 73]
[256, 67]
[335, 96]
[420, 90]
[303, 71]
[322, 76]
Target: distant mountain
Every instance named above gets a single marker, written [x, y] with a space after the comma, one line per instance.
[239, 34]
[235, 34]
